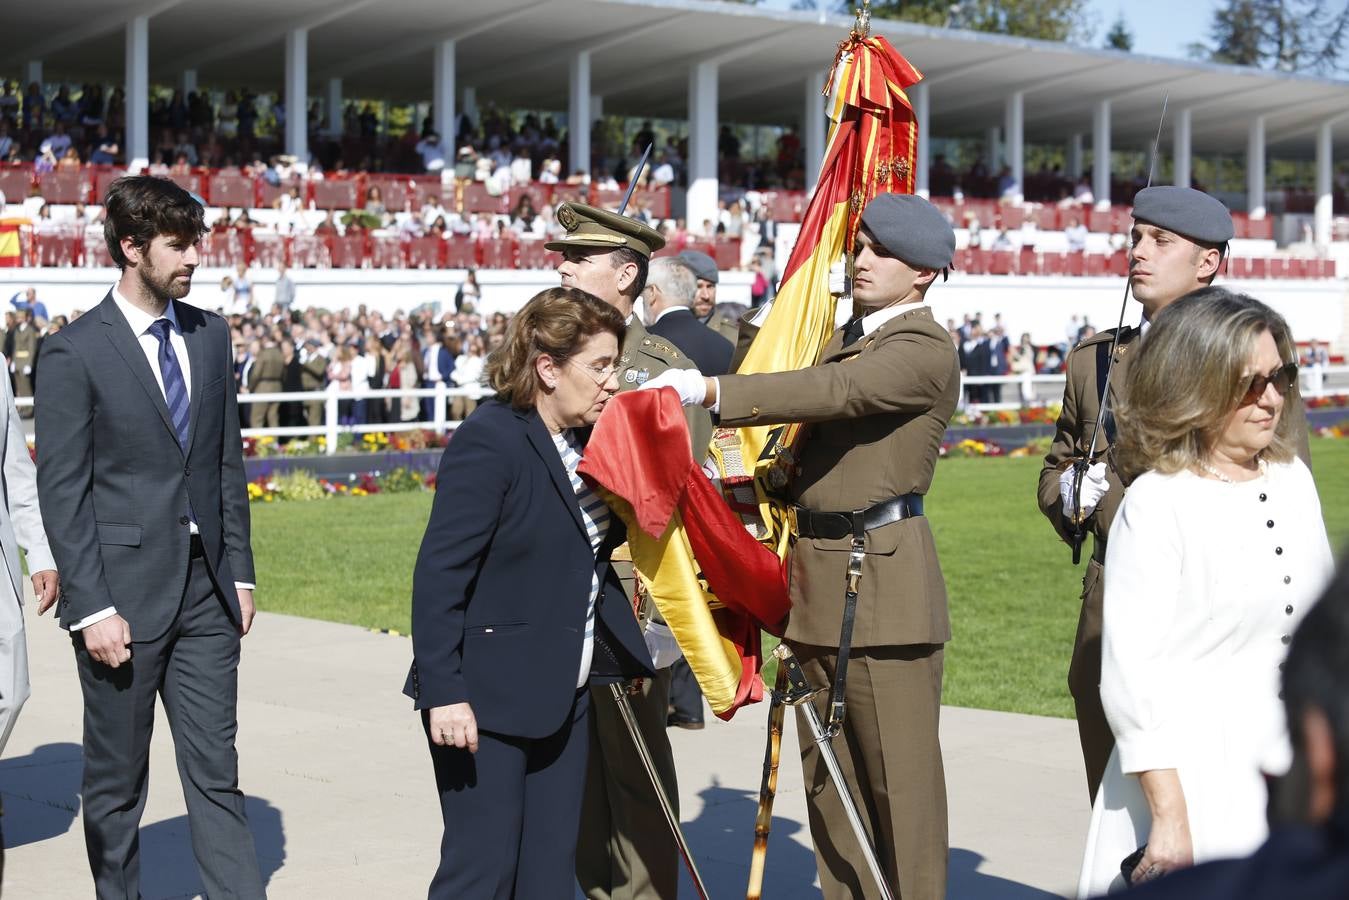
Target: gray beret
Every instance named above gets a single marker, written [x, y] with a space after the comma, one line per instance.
[703, 266]
[912, 229]
[1185, 211]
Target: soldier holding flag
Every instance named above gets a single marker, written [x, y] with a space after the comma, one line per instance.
[876, 407]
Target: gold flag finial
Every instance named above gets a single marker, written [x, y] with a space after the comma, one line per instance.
[862, 27]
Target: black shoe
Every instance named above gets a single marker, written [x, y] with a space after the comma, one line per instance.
[677, 721]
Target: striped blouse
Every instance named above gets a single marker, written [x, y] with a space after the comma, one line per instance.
[595, 515]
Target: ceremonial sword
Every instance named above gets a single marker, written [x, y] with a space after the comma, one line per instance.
[1078, 526]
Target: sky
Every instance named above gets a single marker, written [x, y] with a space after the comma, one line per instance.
[1160, 27]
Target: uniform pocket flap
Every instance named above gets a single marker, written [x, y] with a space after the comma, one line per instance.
[123, 535]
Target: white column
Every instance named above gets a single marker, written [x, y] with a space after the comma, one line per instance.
[334, 107]
[992, 143]
[138, 93]
[442, 95]
[1100, 154]
[814, 127]
[1255, 168]
[703, 188]
[297, 94]
[1075, 156]
[1015, 150]
[471, 105]
[1322, 218]
[188, 82]
[597, 107]
[1182, 149]
[32, 71]
[922, 107]
[579, 119]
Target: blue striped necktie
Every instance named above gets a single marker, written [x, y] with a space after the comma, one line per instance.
[175, 388]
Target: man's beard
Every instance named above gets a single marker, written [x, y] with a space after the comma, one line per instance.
[164, 284]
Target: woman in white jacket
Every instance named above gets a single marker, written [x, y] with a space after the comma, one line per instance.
[1214, 557]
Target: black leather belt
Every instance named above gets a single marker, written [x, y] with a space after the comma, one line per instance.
[196, 549]
[836, 525]
[1098, 550]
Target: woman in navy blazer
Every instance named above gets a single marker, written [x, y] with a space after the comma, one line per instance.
[516, 610]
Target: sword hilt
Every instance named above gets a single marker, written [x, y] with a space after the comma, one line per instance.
[798, 688]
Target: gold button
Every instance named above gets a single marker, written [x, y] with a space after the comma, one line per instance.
[754, 410]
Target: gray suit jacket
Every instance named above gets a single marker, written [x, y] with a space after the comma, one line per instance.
[115, 484]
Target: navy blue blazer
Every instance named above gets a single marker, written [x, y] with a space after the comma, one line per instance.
[710, 352]
[502, 582]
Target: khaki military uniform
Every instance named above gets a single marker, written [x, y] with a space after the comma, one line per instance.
[25, 357]
[266, 377]
[727, 328]
[876, 412]
[312, 374]
[1072, 439]
[625, 849]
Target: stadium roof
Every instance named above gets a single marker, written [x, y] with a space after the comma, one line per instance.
[517, 53]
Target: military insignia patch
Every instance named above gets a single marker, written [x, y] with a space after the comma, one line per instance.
[630, 376]
[566, 217]
[643, 375]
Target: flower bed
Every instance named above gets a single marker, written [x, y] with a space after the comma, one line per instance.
[1029, 415]
[303, 485]
[267, 447]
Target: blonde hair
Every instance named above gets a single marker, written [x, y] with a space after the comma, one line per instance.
[1187, 378]
[553, 323]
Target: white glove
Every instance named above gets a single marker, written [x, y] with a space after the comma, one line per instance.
[688, 383]
[838, 275]
[1094, 487]
[661, 644]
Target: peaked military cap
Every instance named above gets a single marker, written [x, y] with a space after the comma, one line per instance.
[1185, 211]
[703, 266]
[588, 226]
[912, 229]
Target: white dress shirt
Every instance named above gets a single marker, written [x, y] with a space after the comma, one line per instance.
[140, 322]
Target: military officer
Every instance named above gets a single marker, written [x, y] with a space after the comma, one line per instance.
[877, 405]
[24, 358]
[1176, 245]
[313, 374]
[266, 377]
[625, 848]
[705, 303]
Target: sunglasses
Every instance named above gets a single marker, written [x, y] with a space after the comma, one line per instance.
[1283, 380]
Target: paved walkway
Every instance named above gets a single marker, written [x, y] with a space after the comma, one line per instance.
[341, 800]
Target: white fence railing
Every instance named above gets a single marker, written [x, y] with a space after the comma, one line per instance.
[1040, 389]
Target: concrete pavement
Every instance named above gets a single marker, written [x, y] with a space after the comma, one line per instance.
[342, 803]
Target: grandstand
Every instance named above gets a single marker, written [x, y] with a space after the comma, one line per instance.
[698, 65]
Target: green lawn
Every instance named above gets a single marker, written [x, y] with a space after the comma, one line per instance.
[1012, 585]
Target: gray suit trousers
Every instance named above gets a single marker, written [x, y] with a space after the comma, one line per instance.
[194, 668]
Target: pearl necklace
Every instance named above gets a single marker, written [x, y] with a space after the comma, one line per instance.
[1212, 470]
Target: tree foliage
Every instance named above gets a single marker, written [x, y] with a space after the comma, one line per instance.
[1286, 35]
[1049, 20]
[1119, 37]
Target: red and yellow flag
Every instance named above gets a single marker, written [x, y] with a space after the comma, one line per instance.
[715, 565]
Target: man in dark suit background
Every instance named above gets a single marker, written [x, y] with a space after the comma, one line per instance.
[141, 481]
[671, 287]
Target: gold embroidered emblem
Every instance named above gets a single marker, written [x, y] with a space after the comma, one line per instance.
[901, 169]
[883, 172]
[566, 217]
[855, 202]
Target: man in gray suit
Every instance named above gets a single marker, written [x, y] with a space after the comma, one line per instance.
[140, 471]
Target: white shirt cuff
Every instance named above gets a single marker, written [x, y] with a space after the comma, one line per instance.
[244, 586]
[715, 408]
[93, 618]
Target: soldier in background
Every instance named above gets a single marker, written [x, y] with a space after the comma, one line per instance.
[266, 376]
[1177, 244]
[705, 304]
[625, 848]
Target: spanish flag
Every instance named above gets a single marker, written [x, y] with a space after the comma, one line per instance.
[714, 562]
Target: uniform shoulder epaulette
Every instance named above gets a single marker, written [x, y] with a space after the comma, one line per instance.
[1097, 338]
[654, 346]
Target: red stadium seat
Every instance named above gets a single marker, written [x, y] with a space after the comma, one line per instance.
[1260, 229]
[426, 252]
[461, 252]
[477, 199]
[533, 255]
[1076, 264]
[102, 177]
[570, 193]
[607, 199]
[657, 199]
[1027, 262]
[1047, 218]
[1012, 216]
[339, 193]
[386, 252]
[1259, 268]
[266, 248]
[57, 248]
[1096, 264]
[1118, 263]
[348, 250]
[95, 251]
[1000, 262]
[539, 196]
[393, 191]
[726, 251]
[1100, 221]
[188, 182]
[229, 190]
[69, 186]
[498, 253]
[16, 182]
[308, 251]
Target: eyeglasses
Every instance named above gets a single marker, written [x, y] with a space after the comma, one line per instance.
[598, 374]
[1283, 380]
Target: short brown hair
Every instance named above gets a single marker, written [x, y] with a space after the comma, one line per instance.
[553, 323]
[1186, 379]
[142, 207]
